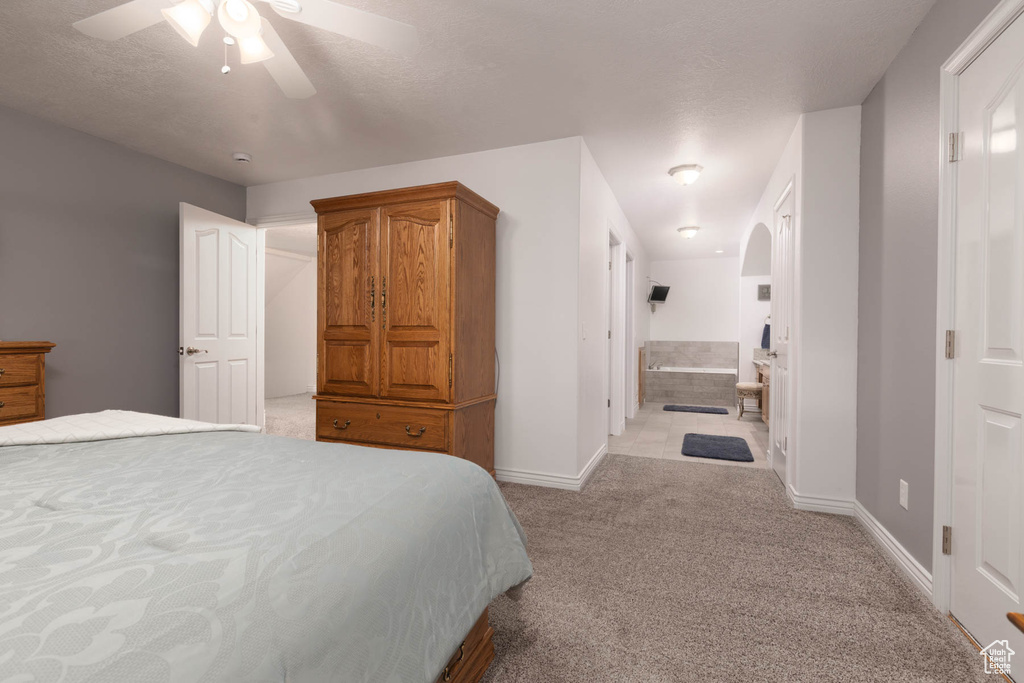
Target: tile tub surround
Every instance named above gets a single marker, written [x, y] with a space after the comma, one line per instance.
[691, 388]
[684, 354]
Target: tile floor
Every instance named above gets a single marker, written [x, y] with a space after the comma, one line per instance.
[657, 433]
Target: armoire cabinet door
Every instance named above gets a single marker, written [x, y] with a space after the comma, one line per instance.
[350, 311]
[416, 281]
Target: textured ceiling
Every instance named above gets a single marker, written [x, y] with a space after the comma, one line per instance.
[648, 83]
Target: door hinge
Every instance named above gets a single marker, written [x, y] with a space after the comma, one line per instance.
[449, 369]
[609, 334]
[956, 147]
[947, 540]
[609, 265]
[609, 403]
[950, 344]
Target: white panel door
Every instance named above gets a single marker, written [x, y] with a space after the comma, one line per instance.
[988, 384]
[781, 331]
[218, 318]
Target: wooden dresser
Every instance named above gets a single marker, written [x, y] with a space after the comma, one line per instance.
[405, 322]
[23, 381]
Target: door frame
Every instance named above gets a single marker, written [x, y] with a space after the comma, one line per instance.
[984, 35]
[261, 304]
[615, 353]
[631, 389]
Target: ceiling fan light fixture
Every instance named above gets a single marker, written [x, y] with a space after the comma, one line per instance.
[239, 18]
[189, 18]
[686, 174]
[689, 232]
[254, 49]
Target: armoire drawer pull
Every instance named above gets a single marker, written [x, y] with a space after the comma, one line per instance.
[448, 669]
[408, 430]
[2, 404]
[344, 426]
[1, 372]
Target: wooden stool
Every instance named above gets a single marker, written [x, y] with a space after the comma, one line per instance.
[747, 390]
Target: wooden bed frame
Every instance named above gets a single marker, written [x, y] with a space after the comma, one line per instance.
[474, 656]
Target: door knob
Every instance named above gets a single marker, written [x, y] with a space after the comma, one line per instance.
[773, 354]
[193, 351]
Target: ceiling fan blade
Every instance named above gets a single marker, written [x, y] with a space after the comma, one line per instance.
[354, 23]
[123, 20]
[283, 68]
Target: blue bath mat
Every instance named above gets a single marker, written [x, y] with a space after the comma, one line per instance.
[717, 447]
[696, 409]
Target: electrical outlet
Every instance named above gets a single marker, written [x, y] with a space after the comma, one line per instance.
[904, 495]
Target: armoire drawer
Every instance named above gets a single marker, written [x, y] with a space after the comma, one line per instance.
[419, 428]
[19, 403]
[19, 369]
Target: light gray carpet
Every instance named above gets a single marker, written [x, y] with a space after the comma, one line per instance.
[675, 571]
[293, 416]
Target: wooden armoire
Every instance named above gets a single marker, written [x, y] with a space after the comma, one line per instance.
[405, 323]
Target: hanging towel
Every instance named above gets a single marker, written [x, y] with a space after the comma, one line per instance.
[766, 337]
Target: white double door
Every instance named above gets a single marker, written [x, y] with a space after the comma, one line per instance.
[988, 384]
[219, 309]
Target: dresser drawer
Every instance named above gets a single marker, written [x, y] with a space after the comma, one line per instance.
[19, 369]
[19, 403]
[420, 428]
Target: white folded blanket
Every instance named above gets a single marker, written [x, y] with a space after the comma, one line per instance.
[109, 424]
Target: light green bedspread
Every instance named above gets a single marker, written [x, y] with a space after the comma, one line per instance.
[234, 556]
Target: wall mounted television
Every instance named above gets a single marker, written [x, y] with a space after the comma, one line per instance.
[658, 294]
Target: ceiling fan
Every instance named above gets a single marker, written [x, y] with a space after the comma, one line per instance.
[256, 39]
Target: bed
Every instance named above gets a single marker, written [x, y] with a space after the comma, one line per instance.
[137, 547]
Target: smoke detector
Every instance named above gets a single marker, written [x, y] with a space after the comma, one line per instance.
[242, 157]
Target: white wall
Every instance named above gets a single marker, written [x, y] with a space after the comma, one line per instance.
[599, 214]
[537, 188]
[703, 302]
[828, 249]
[290, 351]
[822, 159]
[752, 315]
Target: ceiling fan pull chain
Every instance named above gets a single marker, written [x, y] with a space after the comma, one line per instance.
[225, 69]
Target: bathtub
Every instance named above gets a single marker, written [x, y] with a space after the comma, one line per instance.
[711, 371]
[696, 386]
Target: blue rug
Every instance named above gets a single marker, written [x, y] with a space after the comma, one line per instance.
[696, 409]
[717, 447]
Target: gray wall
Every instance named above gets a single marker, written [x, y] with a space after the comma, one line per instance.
[89, 261]
[898, 254]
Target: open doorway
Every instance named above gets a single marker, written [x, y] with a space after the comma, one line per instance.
[289, 356]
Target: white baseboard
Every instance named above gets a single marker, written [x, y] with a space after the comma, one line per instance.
[592, 465]
[834, 506]
[554, 481]
[921, 577]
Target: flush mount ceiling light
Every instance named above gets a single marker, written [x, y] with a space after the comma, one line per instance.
[256, 39]
[689, 232]
[686, 174]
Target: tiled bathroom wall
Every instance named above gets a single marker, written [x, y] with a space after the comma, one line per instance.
[694, 354]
